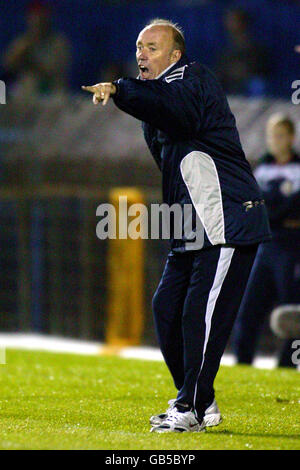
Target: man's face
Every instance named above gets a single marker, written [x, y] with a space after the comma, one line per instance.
[154, 51]
[279, 139]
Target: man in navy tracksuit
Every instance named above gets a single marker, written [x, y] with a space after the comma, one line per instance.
[192, 135]
[275, 277]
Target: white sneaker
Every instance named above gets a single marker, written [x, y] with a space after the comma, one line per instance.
[212, 415]
[177, 421]
[156, 420]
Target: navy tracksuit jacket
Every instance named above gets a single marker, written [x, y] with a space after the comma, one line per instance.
[192, 136]
[275, 278]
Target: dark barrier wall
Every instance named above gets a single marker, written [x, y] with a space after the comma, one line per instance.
[53, 276]
[104, 32]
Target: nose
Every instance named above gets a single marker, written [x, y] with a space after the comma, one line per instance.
[141, 55]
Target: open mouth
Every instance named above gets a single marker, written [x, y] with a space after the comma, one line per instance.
[144, 70]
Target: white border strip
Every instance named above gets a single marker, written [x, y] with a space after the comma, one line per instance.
[225, 257]
[34, 342]
[200, 175]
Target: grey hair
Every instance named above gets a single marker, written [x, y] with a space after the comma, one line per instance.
[178, 35]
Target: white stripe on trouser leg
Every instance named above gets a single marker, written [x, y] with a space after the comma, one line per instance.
[226, 254]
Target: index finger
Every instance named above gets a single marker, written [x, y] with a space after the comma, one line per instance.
[106, 97]
[91, 88]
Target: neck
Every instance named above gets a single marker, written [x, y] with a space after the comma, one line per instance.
[164, 71]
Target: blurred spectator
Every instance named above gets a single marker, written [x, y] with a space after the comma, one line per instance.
[242, 68]
[39, 59]
[275, 277]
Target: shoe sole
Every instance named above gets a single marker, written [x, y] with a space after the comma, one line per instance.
[161, 431]
[209, 420]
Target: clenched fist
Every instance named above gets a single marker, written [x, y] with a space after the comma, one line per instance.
[101, 92]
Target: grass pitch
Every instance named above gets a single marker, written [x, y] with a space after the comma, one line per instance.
[63, 401]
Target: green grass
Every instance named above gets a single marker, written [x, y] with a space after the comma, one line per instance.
[62, 401]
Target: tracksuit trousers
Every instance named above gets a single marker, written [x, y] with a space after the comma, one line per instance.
[274, 280]
[194, 308]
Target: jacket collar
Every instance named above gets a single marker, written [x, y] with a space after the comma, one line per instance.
[180, 63]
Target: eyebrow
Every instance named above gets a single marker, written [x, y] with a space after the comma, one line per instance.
[148, 43]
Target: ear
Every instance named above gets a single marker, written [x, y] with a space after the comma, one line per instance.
[176, 55]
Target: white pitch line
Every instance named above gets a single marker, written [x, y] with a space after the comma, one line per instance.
[35, 342]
